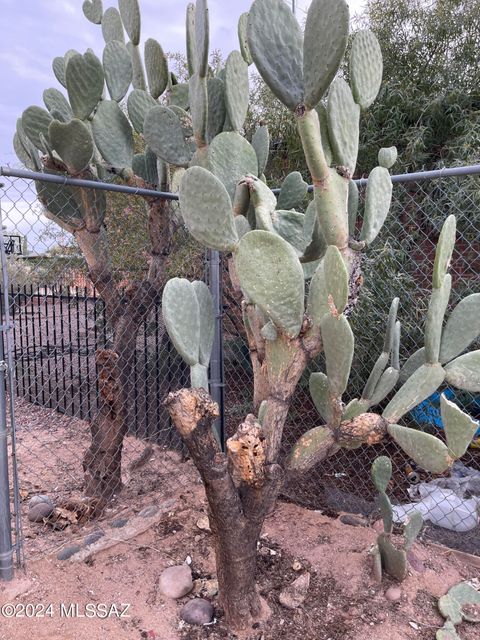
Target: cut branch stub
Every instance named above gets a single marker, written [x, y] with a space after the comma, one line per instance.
[272, 277]
[207, 210]
[181, 313]
[366, 68]
[462, 327]
[464, 372]
[275, 43]
[325, 41]
[246, 452]
[419, 386]
[191, 409]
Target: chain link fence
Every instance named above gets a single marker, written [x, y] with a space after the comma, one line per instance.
[58, 323]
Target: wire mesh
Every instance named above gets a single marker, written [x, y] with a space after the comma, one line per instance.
[59, 323]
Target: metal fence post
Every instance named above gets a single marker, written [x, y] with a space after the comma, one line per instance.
[217, 385]
[6, 548]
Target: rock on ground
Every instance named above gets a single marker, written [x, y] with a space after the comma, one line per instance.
[176, 582]
[197, 611]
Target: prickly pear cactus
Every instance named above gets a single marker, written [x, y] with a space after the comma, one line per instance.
[392, 552]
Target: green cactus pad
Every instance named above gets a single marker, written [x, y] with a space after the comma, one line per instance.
[314, 239]
[242, 38]
[93, 10]
[198, 99]
[311, 448]
[181, 315]
[117, 66]
[419, 386]
[378, 198]
[336, 279]
[24, 154]
[216, 107]
[436, 312]
[289, 225]
[338, 344]
[261, 144]
[394, 560]
[58, 66]
[272, 277]
[85, 80]
[242, 226]
[236, 89]
[353, 201]
[56, 102]
[61, 205]
[207, 209]
[377, 562]
[462, 327]
[426, 450]
[450, 609]
[276, 47]
[130, 14]
[73, 143]
[355, 408]
[113, 134]
[317, 305]
[163, 133]
[35, 121]
[381, 473]
[207, 321]
[464, 372]
[366, 68]
[465, 594]
[241, 199]
[385, 385]
[156, 67]
[412, 528]
[231, 158]
[112, 26]
[320, 393]
[324, 135]
[443, 254]
[416, 360]
[139, 166]
[138, 104]
[343, 116]
[179, 96]
[395, 354]
[330, 204]
[387, 156]
[199, 377]
[375, 375]
[447, 632]
[325, 41]
[386, 511]
[202, 37]
[138, 77]
[191, 43]
[391, 324]
[293, 191]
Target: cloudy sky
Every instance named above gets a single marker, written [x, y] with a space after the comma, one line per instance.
[35, 31]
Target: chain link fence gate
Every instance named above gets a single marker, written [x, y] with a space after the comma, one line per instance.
[58, 322]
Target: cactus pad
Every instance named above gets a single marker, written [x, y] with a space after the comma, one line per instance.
[207, 321]
[377, 203]
[112, 26]
[429, 452]
[320, 393]
[416, 360]
[412, 528]
[58, 66]
[293, 191]
[156, 67]
[464, 372]
[338, 344]
[275, 43]
[35, 122]
[312, 447]
[181, 315]
[202, 35]
[163, 133]
[138, 104]
[236, 89]
[381, 473]
[419, 386]
[231, 158]
[130, 14]
[272, 277]
[117, 65]
[207, 210]
[436, 312]
[325, 41]
[242, 38]
[56, 103]
[462, 327]
[113, 134]
[394, 560]
[73, 143]
[289, 225]
[85, 80]
[93, 10]
[444, 251]
[336, 279]
[387, 156]
[343, 115]
[366, 68]
[216, 107]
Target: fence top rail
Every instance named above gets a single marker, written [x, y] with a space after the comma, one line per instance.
[165, 195]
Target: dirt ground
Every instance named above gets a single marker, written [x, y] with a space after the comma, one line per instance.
[86, 597]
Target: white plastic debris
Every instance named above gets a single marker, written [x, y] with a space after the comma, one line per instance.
[452, 503]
